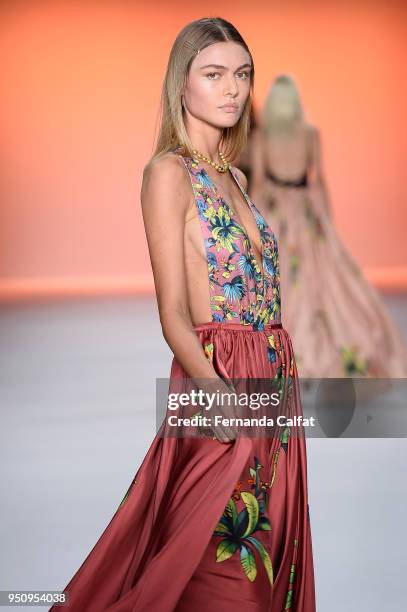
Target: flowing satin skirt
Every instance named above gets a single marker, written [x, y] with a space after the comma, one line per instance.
[206, 525]
[329, 308]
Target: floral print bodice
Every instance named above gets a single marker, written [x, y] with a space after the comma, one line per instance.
[240, 290]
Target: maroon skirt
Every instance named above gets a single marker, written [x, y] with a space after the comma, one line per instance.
[207, 525]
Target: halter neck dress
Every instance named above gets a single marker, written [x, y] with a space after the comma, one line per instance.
[205, 525]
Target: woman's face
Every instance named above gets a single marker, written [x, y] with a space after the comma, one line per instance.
[219, 76]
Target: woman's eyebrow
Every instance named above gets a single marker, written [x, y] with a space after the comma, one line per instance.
[224, 67]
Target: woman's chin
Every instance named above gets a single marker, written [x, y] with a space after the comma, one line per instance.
[228, 122]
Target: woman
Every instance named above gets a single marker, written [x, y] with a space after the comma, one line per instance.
[328, 307]
[218, 520]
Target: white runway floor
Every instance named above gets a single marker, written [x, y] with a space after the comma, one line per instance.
[77, 384]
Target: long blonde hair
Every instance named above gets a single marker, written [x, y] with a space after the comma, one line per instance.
[172, 132]
[283, 108]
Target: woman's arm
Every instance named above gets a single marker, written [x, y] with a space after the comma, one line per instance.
[164, 201]
[165, 198]
[317, 167]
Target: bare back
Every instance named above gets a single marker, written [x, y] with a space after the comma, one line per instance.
[289, 156]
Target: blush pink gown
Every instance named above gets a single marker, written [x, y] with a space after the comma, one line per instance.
[328, 306]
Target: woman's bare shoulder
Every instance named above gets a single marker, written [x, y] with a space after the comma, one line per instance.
[166, 181]
[166, 165]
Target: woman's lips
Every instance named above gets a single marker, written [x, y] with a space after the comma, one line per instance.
[230, 109]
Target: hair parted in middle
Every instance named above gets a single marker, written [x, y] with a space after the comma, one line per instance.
[194, 37]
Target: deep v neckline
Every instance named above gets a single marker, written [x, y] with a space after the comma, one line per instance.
[236, 220]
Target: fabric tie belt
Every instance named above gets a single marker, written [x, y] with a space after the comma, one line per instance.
[237, 326]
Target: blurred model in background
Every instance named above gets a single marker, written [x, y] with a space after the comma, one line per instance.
[244, 161]
[336, 319]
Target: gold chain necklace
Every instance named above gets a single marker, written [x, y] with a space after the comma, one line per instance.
[219, 167]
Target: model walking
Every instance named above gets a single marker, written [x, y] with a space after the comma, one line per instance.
[329, 308]
[220, 521]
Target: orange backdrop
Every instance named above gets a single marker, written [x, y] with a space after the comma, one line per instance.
[80, 88]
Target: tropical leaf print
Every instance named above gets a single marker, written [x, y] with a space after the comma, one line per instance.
[269, 265]
[252, 508]
[265, 557]
[231, 511]
[246, 317]
[204, 179]
[227, 266]
[261, 222]
[248, 562]
[290, 592]
[352, 363]
[208, 348]
[237, 529]
[225, 550]
[224, 230]
[252, 290]
[271, 349]
[210, 242]
[235, 289]
[245, 263]
[225, 309]
[289, 599]
[282, 383]
[210, 213]
[212, 262]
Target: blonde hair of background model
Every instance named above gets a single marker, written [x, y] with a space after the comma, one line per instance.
[282, 109]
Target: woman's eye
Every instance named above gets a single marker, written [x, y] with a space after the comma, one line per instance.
[242, 75]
